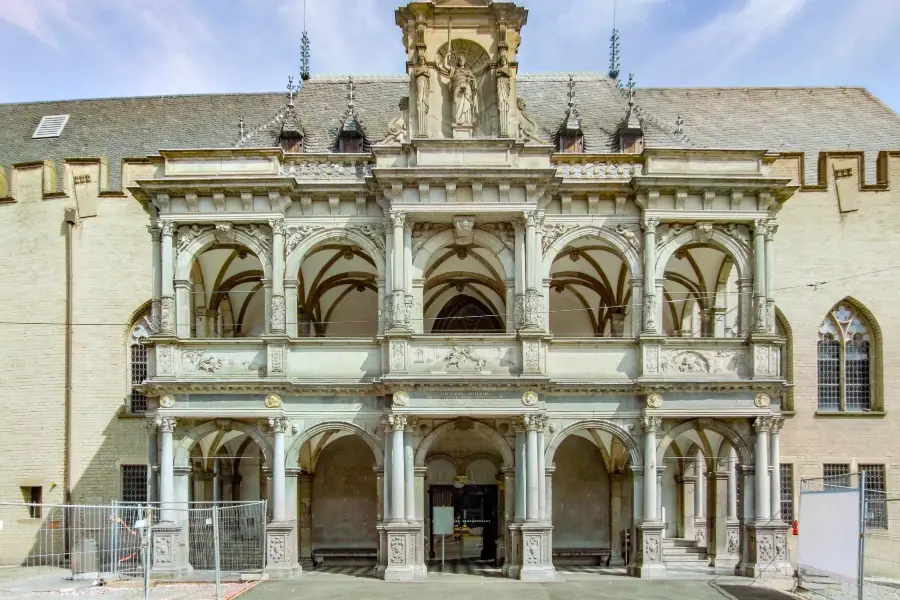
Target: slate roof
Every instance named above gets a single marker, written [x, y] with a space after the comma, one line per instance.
[808, 120]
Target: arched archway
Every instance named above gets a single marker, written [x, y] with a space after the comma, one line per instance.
[465, 314]
[497, 441]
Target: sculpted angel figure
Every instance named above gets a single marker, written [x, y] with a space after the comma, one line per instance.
[463, 88]
[504, 74]
[423, 88]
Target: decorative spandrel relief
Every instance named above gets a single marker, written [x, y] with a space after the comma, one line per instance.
[372, 232]
[505, 232]
[599, 170]
[188, 234]
[222, 363]
[713, 362]
[295, 234]
[551, 233]
[450, 360]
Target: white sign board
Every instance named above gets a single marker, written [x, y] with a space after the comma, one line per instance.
[443, 520]
[829, 532]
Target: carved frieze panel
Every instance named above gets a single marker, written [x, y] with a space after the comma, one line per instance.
[328, 170]
[221, 362]
[599, 170]
[438, 359]
[720, 362]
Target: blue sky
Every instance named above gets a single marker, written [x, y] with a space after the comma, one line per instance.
[60, 49]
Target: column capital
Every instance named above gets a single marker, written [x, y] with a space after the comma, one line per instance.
[651, 424]
[155, 232]
[533, 422]
[279, 424]
[533, 218]
[649, 224]
[398, 218]
[771, 230]
[277, 226]
[394, 422]
[166, 226]
[762, 424]
[775, 424]
[165, 424]
[760, 226]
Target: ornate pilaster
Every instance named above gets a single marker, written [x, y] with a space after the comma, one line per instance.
[760, 227]
[533, 305]
[167, 277]
[278, 257]
[650, 326]
[771, 230]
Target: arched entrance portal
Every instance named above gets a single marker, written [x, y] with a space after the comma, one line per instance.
[464, 502]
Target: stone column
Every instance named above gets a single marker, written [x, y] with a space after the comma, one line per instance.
[651, 426]
[409, 473]
[688, 485]
[770, 276]
[650, 327]
[521, 475]
[398, 277]
[700, 502]
[532, 304]
[155, 275]
[167, 278]
[404, 558]
[775, 467]
[648, 559]
[520, 275]
[398, 480]
[290, 307]
[543, 508]
[732, 485]
[279, 426]
[762, 425]
[615, 518]
[724, 532]
[166, 427]
[183, 318]
[659, 497]
[509, 501]
[291, 510]
[278, 297]
[759, 275]
[532, 505]
[745, 307]
[305, 483]
[533, 542]
[388, 460]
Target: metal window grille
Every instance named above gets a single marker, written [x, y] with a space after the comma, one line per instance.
[787, 492]
[836, 475]
[876, 508]
[134, 483]
[138, 402]
[857, 375]
[829, 374]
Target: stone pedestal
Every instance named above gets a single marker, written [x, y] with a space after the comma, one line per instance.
[462, 132]
[648, 560]
[700, 532]
[382, 549]
[511, 559]
[281, 552]
[404, 552]
[170, 551]
[728, 549]
[765, 551]
[533, 548]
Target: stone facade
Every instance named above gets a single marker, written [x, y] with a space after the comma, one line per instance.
[444, 310]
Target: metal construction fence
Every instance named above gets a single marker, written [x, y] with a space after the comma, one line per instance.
[115, 541]
[849, 538]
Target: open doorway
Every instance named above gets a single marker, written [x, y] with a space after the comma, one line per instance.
[475, 523]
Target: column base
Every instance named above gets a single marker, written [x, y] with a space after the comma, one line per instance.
[403, 553]
[170, 554]
[765, 551]
[648, 561]
[533, 549]
[281, 557]
[727, 561]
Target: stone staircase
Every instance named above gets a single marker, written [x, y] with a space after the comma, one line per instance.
[678, 552]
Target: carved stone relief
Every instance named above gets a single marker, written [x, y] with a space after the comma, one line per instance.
[552, 232]
[703, 361]
[295, 234]
[733, 539]
[601, 170]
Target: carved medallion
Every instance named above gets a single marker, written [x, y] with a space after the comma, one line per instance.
[762, 400]
[401, 399]
[273, 401]
[529, 399]
[654, 401]
[166, 401]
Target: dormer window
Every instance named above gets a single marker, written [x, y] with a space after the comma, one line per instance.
[350, 143]
[571, 144]
[291, 137]
[631, 143]
[571, 136]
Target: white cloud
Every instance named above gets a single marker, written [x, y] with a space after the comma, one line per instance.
[37, 17]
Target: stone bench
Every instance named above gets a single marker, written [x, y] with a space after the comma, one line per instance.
[592, 556]
[344, 556]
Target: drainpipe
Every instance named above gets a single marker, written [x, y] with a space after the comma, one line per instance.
[71, 218]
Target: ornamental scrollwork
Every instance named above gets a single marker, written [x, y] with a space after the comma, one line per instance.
[295, 235]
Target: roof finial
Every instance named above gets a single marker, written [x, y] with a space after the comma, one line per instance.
[304, 49]
[679, 125]
[350, 91]
[241, 127]
[614, 48]
[290, 88]
[571, 92]
[572, 122]
[630, 87]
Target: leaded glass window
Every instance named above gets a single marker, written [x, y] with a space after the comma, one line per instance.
[134, 483]
[836, 475]
[876, 507]
[137, 364]
[844, 361]
[787, 492]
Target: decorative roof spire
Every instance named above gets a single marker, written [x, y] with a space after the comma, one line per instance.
[291, 91]
[632, 121]
[572, 122]
[304, 49]
[679, 125]
[351, 125]
[241, 127]
[614, 48]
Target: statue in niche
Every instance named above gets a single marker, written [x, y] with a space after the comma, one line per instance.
[463, 88]
[423, 88]
[463, 63]
[504, 89]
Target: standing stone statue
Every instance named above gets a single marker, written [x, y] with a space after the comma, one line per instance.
[464, 92]
[423, 88]
[504, 75]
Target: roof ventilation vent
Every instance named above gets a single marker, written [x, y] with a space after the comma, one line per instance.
[50, 126]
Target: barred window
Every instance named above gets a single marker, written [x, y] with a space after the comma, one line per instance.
[134, 483]
[845, 361]
[786, 472]
[137, 364]
[876, 507]
[836, 475]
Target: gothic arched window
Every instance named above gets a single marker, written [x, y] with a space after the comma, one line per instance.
[845, 362]
[137, 364]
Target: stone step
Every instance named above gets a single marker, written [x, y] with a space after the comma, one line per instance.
[678, 543]
[683, 552]
[684, 555]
